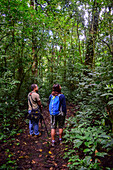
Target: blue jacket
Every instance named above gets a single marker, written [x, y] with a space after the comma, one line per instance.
[62, 102]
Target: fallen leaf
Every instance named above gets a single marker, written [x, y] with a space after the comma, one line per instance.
[17, 140]
[21, 157]
[99, 160]
[66, 149]
[55, 163]
[40, 156]
[96, 152]
[50, 152]
[25, 143]
[69, 163]
[40, 150]
[23, 152]
[64, 165]
[52, 156]
[44, 143]
[26, 156]
[33, 162]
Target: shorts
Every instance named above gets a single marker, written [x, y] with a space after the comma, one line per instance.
[58, 119]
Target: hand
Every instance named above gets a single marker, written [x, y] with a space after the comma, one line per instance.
[41, 107]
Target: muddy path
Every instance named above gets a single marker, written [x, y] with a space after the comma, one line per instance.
[34, 153]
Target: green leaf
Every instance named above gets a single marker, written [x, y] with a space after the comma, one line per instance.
[104, 136]
[80, 137]
[18, 143]
[86, 150]
[89, 143]
[107, 94]
[87, 160]
[110, 102]
[76, 163]
[101, 154]
[77, 143]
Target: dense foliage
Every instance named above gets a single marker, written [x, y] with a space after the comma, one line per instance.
[67, 42]
[88, 133]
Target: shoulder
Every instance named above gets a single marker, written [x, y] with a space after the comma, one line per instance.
[61, 96]
[29, 94]
[36, 96]
[50, 96]
[33, 94]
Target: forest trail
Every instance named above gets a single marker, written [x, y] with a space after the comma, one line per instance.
[35, 153]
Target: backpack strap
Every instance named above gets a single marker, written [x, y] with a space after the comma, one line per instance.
[60, 101]
[32, 98]
[30, 102]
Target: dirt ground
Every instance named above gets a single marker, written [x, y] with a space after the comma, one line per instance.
[35, 153]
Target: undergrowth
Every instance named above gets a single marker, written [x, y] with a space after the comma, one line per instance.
[88, 135]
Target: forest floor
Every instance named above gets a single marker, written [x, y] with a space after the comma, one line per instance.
[35, 153]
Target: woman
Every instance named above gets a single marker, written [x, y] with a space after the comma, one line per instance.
[57, 109]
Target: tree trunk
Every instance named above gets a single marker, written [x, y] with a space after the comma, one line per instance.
[64, 52]
[79, 44]
[91, 40]
[34, 46]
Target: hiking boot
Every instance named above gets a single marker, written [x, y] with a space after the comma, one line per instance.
[60, 141]
[30, 135]
[38, 135]
[53, 144]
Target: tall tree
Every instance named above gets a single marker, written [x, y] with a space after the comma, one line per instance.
[92, 35]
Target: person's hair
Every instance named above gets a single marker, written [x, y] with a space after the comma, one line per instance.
[56, 88]
[33, 86]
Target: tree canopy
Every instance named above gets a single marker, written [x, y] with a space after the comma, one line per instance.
[67, 42]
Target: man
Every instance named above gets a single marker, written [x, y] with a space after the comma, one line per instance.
[34, 103]
[57, 115]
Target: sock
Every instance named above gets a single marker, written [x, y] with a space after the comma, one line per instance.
[53, 141]
[60, 139]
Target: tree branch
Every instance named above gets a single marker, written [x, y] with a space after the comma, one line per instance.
[4, 36]
[108, 46]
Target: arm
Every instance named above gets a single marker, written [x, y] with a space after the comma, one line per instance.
[40, 105]
[39, 102]
[63, 103]
[50, 98]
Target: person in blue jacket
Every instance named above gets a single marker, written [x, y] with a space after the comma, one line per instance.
[57, 109]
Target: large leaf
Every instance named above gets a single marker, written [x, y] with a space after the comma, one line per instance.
[101, 154]
[86, 150]
[107, 94]
[110, 102]
[77, 143]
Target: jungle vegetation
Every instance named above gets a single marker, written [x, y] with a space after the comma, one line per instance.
[67, 42]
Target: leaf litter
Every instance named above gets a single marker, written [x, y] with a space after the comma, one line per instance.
[36, 153]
